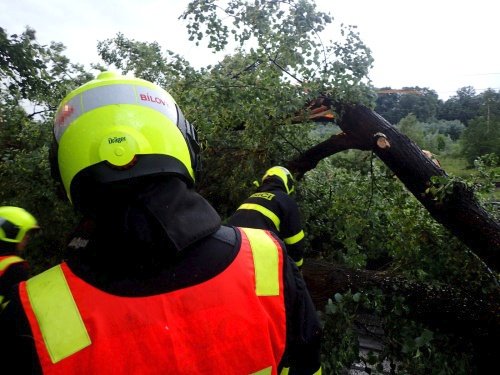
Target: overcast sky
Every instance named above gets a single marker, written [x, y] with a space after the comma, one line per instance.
[440, 44]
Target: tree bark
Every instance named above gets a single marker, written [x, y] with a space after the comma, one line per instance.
[446, 308]
[459, 211]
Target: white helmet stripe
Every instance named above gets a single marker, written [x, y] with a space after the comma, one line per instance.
[91, 99]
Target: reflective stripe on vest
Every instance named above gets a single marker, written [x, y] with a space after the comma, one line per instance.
[266, 371]
[6, 261]
[264, 211]
[59, 329]
[57, 314]
[266, 262]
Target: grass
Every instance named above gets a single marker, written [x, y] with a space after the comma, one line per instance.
[458, 167]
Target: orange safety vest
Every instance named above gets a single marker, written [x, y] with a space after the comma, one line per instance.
[234, 323]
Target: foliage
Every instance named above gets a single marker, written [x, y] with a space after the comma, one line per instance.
[464, 106]
[482, 137]
[488, 168]
[422, 102]
[40, 74]
[340, 347]
[453, 129]
[424, 105]
[32, 76]
[439, 137]
[442, 187]
[26, 181]
[482, 178]
[145, 60]
[413, 129]
[287, 36]
[407, 347]
[356, 213]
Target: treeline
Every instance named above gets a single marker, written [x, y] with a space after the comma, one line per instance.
[437, 125]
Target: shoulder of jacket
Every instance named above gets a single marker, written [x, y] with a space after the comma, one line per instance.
[226, 234]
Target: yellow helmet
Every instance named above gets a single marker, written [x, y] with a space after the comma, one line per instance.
[117, 128]
[14, 223]
[284, 175]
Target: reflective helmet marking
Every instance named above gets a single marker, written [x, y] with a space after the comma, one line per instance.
[101, 96]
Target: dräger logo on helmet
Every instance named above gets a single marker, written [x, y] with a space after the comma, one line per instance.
[112, 140]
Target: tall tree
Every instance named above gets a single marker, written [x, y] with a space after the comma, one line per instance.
[464, 106]
[482, 135]
[394, 105]
[413, 129]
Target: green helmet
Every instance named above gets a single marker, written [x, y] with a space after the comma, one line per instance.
[117, 128]
[14, 223]
[284, 175]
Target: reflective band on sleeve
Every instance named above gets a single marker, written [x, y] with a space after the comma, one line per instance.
[266, 371]
[294, 239]
[3, 304]
[62, 328]
[264, 211]
[8, 261]
[299, 263]
[101, 96]
[266, 262]
[287, 369]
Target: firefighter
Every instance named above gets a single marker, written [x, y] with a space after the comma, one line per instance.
[152, 282]
[15, 226]
[273, 208]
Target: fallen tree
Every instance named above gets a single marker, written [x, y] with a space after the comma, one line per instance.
[445, 307]
[454, 206]
[470, 314]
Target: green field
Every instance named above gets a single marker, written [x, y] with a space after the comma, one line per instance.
[459, 167]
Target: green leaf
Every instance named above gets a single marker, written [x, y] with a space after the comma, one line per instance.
[338, 297]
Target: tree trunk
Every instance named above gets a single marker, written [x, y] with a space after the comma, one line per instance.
[446, 308]
[459, 210]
